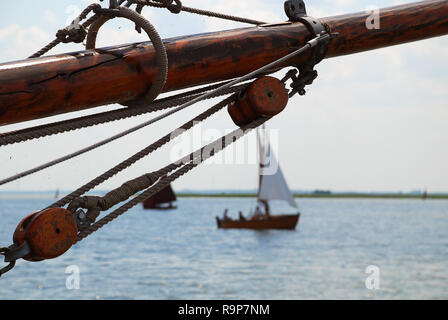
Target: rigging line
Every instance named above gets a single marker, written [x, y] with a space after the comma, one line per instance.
[49, 129]
[208, 13]
[310, 44]
[141, 23]
[60, 39]
[196, 158]
[95, 7]
[94, 146]
[144, 152]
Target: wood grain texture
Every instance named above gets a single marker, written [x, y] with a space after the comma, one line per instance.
[42, 87]
[398, 25]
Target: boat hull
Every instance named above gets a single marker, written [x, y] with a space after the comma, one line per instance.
[285, 222]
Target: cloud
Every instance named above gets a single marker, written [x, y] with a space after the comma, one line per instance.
[18, 43]
[371, 121]
[50, 16]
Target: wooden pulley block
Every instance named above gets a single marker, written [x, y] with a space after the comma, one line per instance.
[265, 97]
[49, 233]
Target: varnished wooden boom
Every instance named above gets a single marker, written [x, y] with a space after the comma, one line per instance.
[41, 87]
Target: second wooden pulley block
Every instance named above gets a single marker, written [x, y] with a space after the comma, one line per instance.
[265, 97]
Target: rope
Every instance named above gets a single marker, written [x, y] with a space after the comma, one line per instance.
[67, 34]
[127, 190]
[153, 182]
[77, 33]
[105, 141]
[144, 152]
[162, 60]
[310, 44]
[162, 4]
[108, 116]
[97, 204]
[194, 159]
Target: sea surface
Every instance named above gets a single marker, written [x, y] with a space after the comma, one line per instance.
[342, 249]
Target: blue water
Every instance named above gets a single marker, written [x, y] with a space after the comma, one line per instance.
[181, 254]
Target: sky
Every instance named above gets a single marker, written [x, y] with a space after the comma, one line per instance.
[371, 122]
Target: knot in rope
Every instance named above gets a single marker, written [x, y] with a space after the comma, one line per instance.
[127, 190]
[74, 33]
[95, 204]
[77, 32]
[175, 7]
[95, 7]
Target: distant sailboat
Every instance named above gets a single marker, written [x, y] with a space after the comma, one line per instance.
[162, 200]
[272, 186]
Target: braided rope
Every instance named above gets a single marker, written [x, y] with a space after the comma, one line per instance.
[162, 59]
[77, 33]
[127, 189]
[310, 44]
[105, 141]
[144, 152]
[108, 116]
[197, 157]
[163, 4]
[131, 187]
[68, 35]
[71, 32]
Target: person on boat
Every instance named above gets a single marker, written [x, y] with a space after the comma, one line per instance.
[242, 218]
[226, 218]
[267, 212]
[258, 214]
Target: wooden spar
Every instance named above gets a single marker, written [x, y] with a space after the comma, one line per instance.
[41, 87]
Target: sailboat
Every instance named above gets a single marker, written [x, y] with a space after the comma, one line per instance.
[272, 186]
[163, 200]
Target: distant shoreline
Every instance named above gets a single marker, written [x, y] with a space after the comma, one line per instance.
[311, 195]
[243, 194]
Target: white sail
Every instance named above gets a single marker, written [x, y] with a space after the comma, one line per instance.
[273, 185]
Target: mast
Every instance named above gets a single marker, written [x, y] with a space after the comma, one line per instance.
[262, 162]
[41, 87]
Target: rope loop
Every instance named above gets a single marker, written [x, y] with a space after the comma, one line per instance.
[76, 32]
[141, 22]
[175, 7]
[72, 33]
